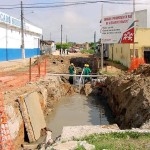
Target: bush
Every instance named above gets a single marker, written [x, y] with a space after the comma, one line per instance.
[90, 51]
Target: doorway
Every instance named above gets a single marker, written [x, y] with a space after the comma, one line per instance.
[147, 54]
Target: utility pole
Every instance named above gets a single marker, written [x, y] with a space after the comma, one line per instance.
[6, 42]
[22, 32]
[66, 39]
[95, 41]
[134, 28]
[61, 41]
[102, 62]
[50, 36]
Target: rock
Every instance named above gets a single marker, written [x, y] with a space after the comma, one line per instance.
[71, 145]
[49, 140]
[88, 89]
[87, 146]
[41, 146]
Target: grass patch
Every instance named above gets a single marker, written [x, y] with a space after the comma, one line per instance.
[119, 141]
[90, 51]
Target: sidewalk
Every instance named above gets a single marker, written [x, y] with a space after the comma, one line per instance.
[14, 64]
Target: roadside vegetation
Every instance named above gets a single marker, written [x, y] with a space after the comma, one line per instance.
[119, 141]
[63, 46]
[90, 51]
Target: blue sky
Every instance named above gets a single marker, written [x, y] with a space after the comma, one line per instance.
[79, 22]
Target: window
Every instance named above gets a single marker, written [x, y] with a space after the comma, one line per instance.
[121, 50]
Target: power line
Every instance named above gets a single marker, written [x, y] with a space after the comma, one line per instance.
[70, 2]
[66, 4]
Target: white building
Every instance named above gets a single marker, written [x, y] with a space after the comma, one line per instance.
[10, 38]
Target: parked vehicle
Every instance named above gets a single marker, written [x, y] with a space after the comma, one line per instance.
[72, 50]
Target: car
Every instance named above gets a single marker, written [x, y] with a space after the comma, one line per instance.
[72, 50]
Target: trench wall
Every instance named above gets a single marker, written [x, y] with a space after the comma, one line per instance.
[49, 90]
[129, 99]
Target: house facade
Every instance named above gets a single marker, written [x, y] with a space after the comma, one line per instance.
[10, 38]
[123, 53]
[47, 47]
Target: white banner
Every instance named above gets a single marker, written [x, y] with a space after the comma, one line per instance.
[118, 29]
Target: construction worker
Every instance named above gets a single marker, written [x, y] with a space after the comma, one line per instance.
[87, 71]
[71, 71]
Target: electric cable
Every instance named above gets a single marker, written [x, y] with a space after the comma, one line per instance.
[66, 4]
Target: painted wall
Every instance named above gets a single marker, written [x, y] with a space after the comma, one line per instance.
[142, 39]
[124, 52]
[10, 38]
[10, 43]
[120, 53]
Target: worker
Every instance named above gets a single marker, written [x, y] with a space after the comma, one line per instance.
[87, 71]
[72, 72]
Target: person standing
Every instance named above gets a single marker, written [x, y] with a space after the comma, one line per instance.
[87, 72]
[72, 72]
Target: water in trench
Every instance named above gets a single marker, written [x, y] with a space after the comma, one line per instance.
[79, 110]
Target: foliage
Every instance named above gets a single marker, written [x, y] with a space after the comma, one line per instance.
[90, 51]
[64, 46]
[80, 147]
[119, 141]
[58, 46]
[92, 45]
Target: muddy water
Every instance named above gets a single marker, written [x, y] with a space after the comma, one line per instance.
[79, 110]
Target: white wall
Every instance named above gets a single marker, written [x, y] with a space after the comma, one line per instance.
[12, 36]
[2, 38]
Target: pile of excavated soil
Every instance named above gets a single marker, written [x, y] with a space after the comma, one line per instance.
[129, 98]
[143, 70]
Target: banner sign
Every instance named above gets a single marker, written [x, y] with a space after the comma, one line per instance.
[118, 29]
[17, 23]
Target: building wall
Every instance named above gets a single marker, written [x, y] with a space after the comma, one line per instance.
[10, 43]
[120, 53]
[142, 39]
[124, 52]
[10, 38]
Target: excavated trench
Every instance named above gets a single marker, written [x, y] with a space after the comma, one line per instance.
[80, 109]
[127, 96]
[118, 96]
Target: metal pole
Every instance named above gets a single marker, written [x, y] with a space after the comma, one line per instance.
[95, 41]
[30, 70]
[6, 43]
[134, 28]
[22, 33]
[66, 39]
[61, 41]
[39, 70]
[101, 40]
[45, 66]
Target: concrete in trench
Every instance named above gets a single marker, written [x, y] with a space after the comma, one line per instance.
[32, 115]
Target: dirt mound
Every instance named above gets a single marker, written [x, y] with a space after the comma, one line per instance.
[129, 97]
[143, 70]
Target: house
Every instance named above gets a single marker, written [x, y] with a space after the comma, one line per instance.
[10, 38]
[123, 53]
[47, 47]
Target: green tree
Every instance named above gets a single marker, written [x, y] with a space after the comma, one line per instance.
[65, 46]
[91, 45]
[58, 46]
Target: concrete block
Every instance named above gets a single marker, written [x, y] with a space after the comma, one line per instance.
[35, 113]
[32, 115]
